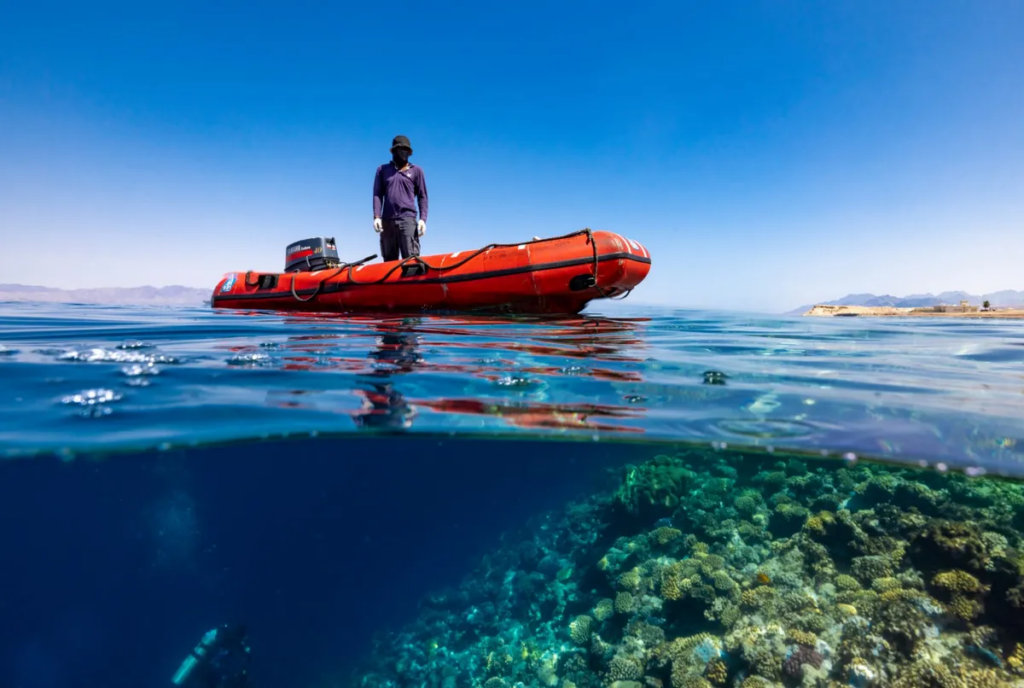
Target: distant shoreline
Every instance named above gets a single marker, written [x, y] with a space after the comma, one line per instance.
[826, 311]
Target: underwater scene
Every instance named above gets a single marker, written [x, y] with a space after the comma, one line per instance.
[631, 498]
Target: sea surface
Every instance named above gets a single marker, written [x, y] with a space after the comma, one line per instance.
[487, 502]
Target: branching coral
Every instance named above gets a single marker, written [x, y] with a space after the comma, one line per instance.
[925, 674]
[818, 525]
[722, 582]
[604, 609]
[711, 563]
[879, 576]
[882, 585]
[846, 582]
[673, 585]
[717, 673]
[625, 603]
[958, 582]
[654, 488]
[630, 580]
[665, 535]
[962, 591]
[944, 544]
[964, 607]
[1016, 659]
[748, 503]
[624, 669]
[580, 630]
[788, 518]
[802, 637]
[650, 636]
[871, 568]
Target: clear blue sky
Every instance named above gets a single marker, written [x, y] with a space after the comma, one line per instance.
[769, 154]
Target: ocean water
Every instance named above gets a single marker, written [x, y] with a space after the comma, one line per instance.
[630, 497]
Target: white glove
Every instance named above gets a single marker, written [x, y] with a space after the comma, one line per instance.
[422, 227]
[378, 226]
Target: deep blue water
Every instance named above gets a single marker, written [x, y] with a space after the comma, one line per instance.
[168, 470]
[114, 569]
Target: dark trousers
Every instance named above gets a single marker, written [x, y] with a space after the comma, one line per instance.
[399, 236]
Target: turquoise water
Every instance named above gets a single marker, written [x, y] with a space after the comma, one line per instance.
[87, 378]
[633, 497]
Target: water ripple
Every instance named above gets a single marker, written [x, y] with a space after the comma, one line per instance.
[950, 392]
[119, 355]
[93, 403]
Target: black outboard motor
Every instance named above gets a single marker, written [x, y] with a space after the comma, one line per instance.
[310, 255]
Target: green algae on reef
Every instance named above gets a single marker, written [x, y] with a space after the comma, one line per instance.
[714, 568]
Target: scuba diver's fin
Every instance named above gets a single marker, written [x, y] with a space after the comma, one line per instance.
[222, 654]
[195, 656]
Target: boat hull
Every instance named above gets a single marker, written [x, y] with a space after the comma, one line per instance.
[542, 276]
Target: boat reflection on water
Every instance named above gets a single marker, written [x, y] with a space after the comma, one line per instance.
[497, 368]
[537, 415]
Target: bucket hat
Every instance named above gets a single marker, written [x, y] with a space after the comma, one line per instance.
[401, 142]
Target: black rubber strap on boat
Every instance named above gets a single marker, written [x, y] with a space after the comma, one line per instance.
[593, 279]
[320, 284]
[296, 294]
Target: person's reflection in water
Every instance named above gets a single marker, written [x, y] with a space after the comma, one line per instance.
[384, 407]
[397, 349]
[396, 353]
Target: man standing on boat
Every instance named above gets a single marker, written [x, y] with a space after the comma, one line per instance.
[397, 187]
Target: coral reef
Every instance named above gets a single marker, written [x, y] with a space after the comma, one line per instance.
[716, 568]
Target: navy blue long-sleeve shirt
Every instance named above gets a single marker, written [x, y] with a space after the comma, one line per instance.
[395, 193]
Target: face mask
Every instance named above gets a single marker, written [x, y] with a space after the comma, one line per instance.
[401, 157]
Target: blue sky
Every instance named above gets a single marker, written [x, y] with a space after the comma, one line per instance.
[769, 154]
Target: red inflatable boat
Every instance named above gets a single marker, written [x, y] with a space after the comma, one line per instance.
[557, 275]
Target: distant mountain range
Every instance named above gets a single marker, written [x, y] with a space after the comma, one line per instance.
[1008, 298]
[115, 296]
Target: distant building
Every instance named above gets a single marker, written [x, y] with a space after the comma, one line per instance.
[964, 307]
